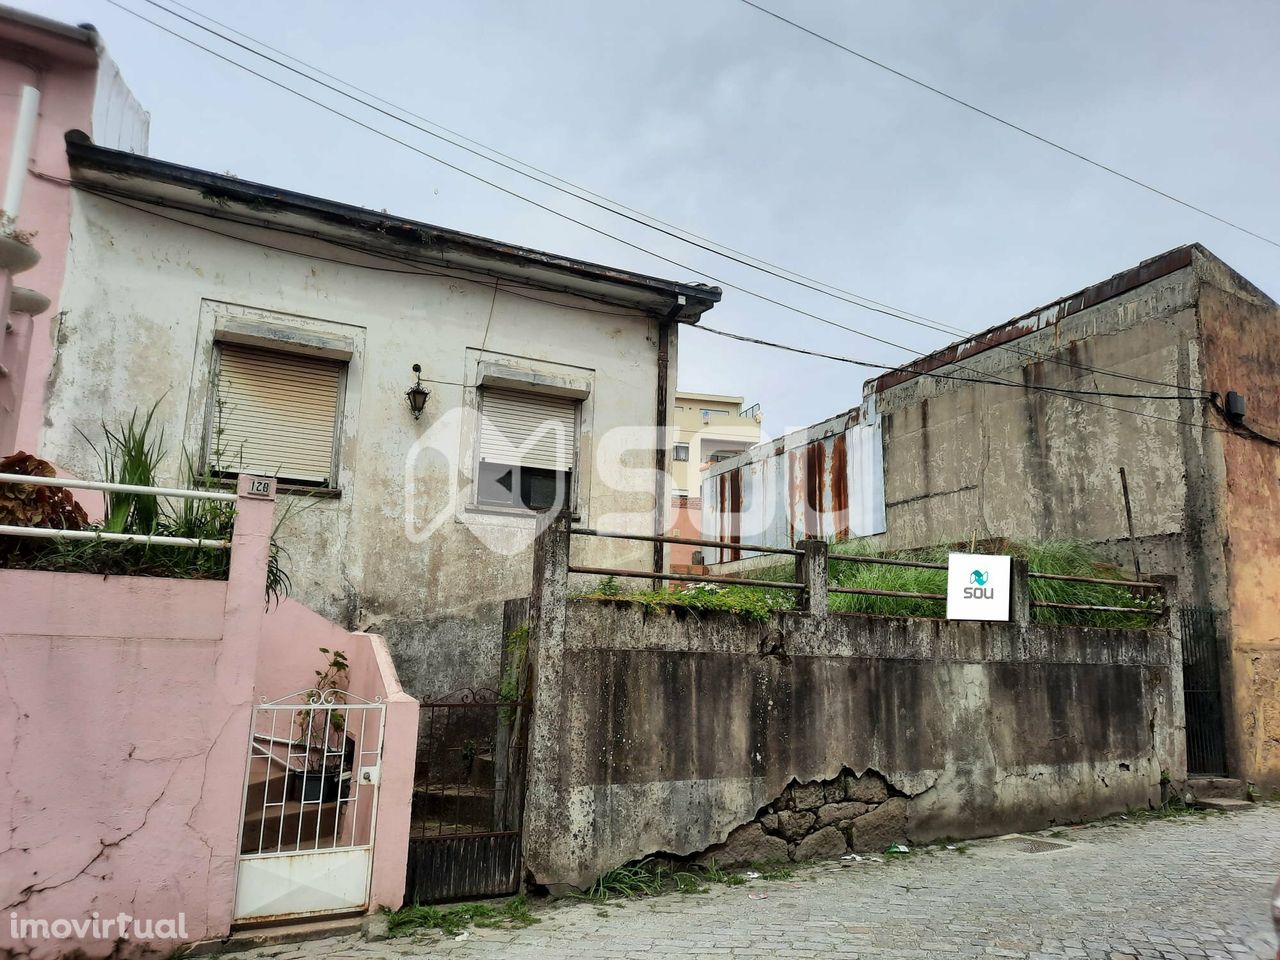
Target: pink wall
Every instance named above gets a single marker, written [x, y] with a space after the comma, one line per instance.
[65, 73]
[129, 702]
[291, 637]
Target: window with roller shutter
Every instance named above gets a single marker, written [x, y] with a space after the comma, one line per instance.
[275, 414]
[527, 447]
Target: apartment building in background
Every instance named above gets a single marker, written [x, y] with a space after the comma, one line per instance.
[707, 428]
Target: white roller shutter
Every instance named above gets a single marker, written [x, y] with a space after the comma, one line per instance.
[277, 414]
[528, 429]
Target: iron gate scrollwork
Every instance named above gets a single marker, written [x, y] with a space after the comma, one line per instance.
[468, 797]
[1202, 692]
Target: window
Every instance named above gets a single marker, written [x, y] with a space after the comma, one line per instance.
[275, 413]
[527, 449]
[721, 455]
[680, 453]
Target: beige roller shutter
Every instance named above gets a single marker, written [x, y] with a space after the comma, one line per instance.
[277, 414]
[528, 429]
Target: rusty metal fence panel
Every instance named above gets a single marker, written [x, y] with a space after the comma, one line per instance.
[1202, 692]
[468, 798]
[825, 482]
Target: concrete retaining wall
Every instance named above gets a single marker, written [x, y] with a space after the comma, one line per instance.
[664, 732]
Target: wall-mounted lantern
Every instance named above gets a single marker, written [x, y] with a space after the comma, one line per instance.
[416, 396]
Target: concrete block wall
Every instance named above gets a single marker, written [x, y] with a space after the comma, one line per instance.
[668, 731]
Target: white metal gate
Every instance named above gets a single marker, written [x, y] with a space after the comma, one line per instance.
[309, 806]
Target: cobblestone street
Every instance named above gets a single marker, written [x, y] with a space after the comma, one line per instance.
[1177, 888]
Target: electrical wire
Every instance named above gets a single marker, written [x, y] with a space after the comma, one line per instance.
[1009, 123]
[1066, 393]
[600, 201]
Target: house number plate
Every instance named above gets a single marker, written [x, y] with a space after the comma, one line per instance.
[260, 487]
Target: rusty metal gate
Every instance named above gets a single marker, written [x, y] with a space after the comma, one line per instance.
[468, 798]
[1202, 693]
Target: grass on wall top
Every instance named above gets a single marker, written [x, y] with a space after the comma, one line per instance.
[1064, 557]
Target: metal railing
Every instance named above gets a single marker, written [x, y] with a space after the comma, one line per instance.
[888, 562]
[1138, 587]
[687, 577]
[54, 533]
[1155, 606]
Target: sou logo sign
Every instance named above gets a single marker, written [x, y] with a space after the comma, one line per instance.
[978, 587]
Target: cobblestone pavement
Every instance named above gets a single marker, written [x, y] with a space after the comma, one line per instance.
[1188, 887]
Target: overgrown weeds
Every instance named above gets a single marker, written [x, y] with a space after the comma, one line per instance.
[752, 603]
[1059, 557]
[452, 920]
[652, 877]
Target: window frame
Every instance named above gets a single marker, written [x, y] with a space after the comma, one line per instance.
[284, 482]
[687, 451]
[474, 503]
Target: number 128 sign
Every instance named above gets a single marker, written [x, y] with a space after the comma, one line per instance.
[978, 587]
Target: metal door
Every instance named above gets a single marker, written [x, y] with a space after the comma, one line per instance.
[1202, 693]
[310, 806]
[468, 798]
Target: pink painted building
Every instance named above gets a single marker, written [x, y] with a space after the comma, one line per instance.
[53, 78]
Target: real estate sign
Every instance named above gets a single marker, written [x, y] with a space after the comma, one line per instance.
[978, 587]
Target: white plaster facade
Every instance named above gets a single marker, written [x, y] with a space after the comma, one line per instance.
[150, 291]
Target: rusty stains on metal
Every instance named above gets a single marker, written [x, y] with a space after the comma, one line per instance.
[735, 512]
[815, 466]
[840, 485]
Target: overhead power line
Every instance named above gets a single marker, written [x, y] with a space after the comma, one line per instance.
[329, 108]
[601, 202]
[418, 269]
[1009, 123]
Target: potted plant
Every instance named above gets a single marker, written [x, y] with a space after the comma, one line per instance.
[322, 742]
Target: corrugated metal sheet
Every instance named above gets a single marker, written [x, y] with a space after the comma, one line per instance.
[527, 429]
[826, 481]
[277, 413]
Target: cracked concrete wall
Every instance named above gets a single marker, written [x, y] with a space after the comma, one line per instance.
[125, 759]
[127, 701]
[665, 731]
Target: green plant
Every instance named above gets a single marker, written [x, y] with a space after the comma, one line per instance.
[453, 920]
[643, 879]
[751, 603]
[131, 453]
[608, 587]
[321, 727]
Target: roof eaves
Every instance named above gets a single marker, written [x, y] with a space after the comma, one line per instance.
[219, 189]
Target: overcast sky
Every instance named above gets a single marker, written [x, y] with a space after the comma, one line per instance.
[715, 117]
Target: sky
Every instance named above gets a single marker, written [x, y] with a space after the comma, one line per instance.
[717, 118]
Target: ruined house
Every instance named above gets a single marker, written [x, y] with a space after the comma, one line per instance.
[1167, 370]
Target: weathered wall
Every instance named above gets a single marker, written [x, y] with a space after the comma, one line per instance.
[1242, 353]
[663, 732]
[80, 88]
[127, 702]
[141, 306]
[1009, 461]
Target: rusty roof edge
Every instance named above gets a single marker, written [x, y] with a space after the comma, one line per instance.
[83, 154]
[801, 437]
[1150, 269]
